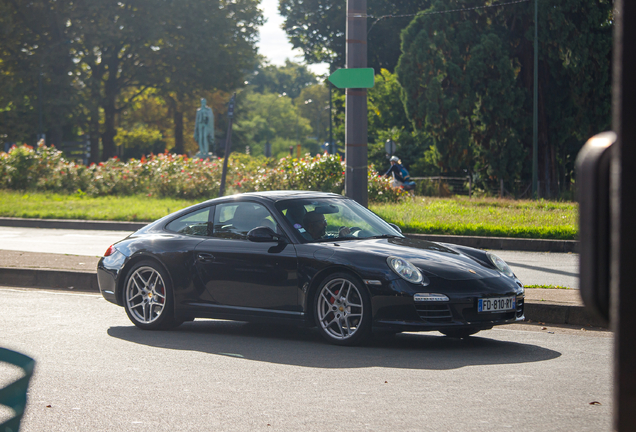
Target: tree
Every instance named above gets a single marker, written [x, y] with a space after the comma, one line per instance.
[290, 79]
[313, 104]
[159, 43]
[268, 117]
[318, 28]
[205, 47]
[467, 79]
[388, 121]
[36, 70]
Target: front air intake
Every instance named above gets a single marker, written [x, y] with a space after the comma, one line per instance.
[434, 313]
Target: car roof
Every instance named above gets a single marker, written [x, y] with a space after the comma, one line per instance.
[273, 196]
[286, 194]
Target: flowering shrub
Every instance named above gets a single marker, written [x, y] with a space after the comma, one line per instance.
[380, 189]
[41, 168]
[177, 176]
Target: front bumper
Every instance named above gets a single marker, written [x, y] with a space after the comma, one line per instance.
[398, 310]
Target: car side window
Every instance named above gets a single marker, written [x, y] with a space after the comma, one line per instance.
[196, 223]
[235, 220]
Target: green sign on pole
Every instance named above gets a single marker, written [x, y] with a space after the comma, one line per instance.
[353, 78]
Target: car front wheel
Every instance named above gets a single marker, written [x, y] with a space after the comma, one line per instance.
[148, 297]
[343, 310]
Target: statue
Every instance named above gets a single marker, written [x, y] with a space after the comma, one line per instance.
[204, 130]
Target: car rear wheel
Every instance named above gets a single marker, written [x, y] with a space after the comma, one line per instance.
[343, 310]
[460, 333]
[148, 297]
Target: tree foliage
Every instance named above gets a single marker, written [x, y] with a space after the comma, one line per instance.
[289, 79]
[313, 104]
[110, 53]
[387, 121]
[318, 28]
[268, 117]
[467, 83]
[36, 69]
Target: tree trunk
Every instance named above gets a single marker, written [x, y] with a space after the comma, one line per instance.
[93, 134]
[108, 137]
[110, 94]
[55, 137]
[93, 115]
[546, 168]
[177, 118]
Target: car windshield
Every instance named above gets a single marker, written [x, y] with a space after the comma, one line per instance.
[328, 219]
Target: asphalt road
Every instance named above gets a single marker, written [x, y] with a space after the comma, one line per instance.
[532, 268]
[97, 372]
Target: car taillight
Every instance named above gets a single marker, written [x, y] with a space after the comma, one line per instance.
[109, 251]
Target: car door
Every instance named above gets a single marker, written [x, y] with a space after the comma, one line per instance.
[244, 277]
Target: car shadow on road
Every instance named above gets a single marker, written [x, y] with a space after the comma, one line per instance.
[305, 347]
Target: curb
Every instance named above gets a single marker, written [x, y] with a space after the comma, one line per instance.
[87, 282]
[503, 243]
[75, 224]
[562, 314]
[497, 243]
[51, 279]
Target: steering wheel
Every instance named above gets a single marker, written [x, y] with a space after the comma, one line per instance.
[352, 230]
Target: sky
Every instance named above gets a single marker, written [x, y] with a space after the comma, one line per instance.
[273, 40]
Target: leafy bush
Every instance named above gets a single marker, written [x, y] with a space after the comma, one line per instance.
[177, 176]
[139, 141]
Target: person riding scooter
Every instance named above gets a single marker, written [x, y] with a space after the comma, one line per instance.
[401, 177]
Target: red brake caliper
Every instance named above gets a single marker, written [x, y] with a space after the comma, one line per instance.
[333, 299]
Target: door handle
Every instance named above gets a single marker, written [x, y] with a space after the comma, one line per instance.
[205, 257]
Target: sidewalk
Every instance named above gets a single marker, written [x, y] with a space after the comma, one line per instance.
[78, 273]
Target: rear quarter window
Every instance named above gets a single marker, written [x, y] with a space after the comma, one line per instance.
[196, 223]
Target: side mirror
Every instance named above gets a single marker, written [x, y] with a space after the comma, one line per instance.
[264, 234]
[395, 227]
[593, 178]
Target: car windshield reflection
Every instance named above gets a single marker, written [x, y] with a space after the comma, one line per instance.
[329, 219]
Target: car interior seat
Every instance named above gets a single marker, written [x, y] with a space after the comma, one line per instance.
[249, 216]
[296, 214]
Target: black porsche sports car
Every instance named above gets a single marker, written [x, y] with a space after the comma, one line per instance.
[304, 258]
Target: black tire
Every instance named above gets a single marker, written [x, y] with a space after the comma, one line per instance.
[342, 310]
[460, 333]
[148, 297]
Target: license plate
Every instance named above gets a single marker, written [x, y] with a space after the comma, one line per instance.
[500, 304]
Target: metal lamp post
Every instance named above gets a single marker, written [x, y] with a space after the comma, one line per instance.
[356, 138]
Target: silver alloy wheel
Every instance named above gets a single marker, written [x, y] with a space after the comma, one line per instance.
[340, 309]
[145, 295]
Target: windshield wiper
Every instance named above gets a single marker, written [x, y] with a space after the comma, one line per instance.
[333, 239]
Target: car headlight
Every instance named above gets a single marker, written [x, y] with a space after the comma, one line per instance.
[406, 270]
[500, 264]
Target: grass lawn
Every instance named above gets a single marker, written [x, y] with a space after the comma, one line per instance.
[458, 216]
[55, 206]
[484, 217]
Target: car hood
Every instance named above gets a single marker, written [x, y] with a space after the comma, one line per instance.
[432, 258]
